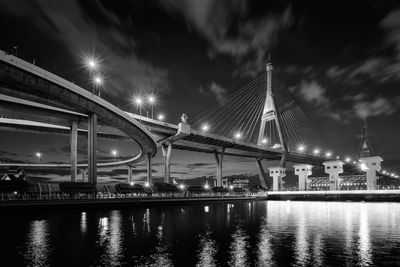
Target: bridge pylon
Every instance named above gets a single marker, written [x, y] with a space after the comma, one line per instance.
[271, 113]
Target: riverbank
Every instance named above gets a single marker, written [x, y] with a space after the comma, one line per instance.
[348, 195]
[17, 205]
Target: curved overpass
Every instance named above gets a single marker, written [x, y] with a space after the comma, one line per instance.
[22, 80]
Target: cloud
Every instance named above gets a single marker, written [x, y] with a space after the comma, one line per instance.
[230, 31]
[391, 23]
[375, 107]
[69, 23]
[217, 90]
[313, 92]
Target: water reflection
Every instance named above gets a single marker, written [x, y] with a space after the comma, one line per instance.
[207, 251]
[301, 252]
[160, 256]
[146, 221]
[264, 249]
[364, 243]
[38, 247]
[111, 239]
[318, 250]
[268, 233]
[238, 253]
[83, 222]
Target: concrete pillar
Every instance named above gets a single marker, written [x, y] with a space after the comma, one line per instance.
[303, 171]
[83, 171]
[92, 147]
[334, 168]
[277, 173]
[129, 174]
[166, 150]
[371, 165]
[149, 169]
[261, 173]
[219, 159]
[74, 149]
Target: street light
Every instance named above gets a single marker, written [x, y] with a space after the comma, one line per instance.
[139, 102]
[114, 153]
[347, 159]
[264, 141]
[301, 148]
[92, 65]
[38, 155]
[151, 100]
[98, 81]
[205, 127]
[160, 117]
[316, 151]
[328, 154]
[238, 135]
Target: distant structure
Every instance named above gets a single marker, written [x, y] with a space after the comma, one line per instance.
[365, 145]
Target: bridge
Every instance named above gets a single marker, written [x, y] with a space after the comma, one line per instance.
[33, 99]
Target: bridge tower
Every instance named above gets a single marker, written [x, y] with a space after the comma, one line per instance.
[365, 146]
[370, 162]
[271, 113]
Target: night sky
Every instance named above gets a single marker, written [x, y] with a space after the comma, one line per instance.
[339, 59]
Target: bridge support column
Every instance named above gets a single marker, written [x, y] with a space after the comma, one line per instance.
[92, 147]
[219, 159]
[129, 174]
[277, 173]
[166, 150]
[74, 149]
[303, 171]
[261, 173]
[334, 168]
[149, 169]
[371, 165]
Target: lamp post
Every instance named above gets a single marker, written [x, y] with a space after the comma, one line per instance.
[98, 81]
[92, 65]
[151, 99]
[114, 153]
[139, 103]
[39, 155]
[205, 127]
[160, 117]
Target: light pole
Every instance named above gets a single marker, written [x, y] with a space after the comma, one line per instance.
[151, 100]
[39, 155]
[139, 102]
[205, 127]
[160, 117]
[114, 153]
[91, 64]
[98, 81]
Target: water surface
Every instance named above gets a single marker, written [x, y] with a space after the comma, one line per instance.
[264, 233]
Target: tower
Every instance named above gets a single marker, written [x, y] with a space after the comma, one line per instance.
[270, 113]
[365, 146]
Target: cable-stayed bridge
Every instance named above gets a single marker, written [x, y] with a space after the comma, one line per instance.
[257, 121]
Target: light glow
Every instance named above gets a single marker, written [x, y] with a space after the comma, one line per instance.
[301, 148]
[205, 127]
[328, 154]
[160, 117]
[238, 135]
[151, 99]
[316, 151]
[264, 141]
[147, 184]
[98, 80]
